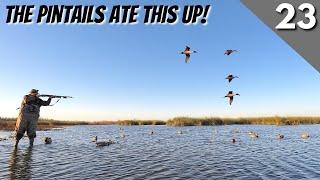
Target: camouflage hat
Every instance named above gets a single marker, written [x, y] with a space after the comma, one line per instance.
[34, 91]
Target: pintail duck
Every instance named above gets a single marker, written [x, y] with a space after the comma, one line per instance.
[229, 52]
[230, 95]
[231, 77]
[188, 52]
[47, 140]
[305, 135]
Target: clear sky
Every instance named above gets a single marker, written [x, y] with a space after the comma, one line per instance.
[135, 71]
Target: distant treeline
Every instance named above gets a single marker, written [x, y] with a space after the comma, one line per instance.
[45, 124]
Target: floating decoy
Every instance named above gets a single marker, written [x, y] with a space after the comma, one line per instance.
[280, 136]
[3, 139]
[305, 135]
[233, 140]
[229, 52]
[104, 143]
[230, 95]
[231, 77]
[94, 139]
[235, 131]
[187, 52]
[253, 134]
[122, 134]
[180, 132]
[47, 140]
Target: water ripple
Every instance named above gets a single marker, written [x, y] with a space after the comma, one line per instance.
[197, 153]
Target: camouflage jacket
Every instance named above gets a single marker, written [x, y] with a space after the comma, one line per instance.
[32, 104]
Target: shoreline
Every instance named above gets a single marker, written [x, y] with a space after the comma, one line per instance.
[8, 124]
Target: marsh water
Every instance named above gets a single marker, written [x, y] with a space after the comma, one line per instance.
[196, 153]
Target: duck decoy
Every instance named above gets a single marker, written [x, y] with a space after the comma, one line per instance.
[179, 132]
[305, 136]
[231, 77]
[47, 140]
[187, 52]
[280, 136]
[253, 134]
[104, 143]
[230, 95]
[229, 52]
[94, 139]
[236, 131]
[3, 139]
[233, 140]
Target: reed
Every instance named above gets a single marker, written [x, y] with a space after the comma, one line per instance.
[276, 120]
[46, 124]
[8, 124]
[140, 122]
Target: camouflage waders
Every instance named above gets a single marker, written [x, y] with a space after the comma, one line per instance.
[28, 117]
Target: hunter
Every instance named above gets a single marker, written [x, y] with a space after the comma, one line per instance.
[29, 115]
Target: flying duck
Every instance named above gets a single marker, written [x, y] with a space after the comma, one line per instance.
[231, 77]
[187, 52]
[230, 95]
[229, 52]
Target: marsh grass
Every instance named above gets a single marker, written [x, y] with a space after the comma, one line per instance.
[8, 124]
[276, 120]
[140, 122]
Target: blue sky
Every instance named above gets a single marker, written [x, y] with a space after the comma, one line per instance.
[135, 71]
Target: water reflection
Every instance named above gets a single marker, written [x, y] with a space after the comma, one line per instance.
[20, 164]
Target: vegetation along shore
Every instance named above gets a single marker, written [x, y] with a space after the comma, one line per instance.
[8, 124]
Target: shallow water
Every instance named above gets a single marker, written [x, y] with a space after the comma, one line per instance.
[197, 153]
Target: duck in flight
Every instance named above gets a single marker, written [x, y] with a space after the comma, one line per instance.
[229, 52]
[231, 77]
[187, 52]
[230, 95]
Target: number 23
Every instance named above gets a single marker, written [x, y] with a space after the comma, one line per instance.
[285, 23]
